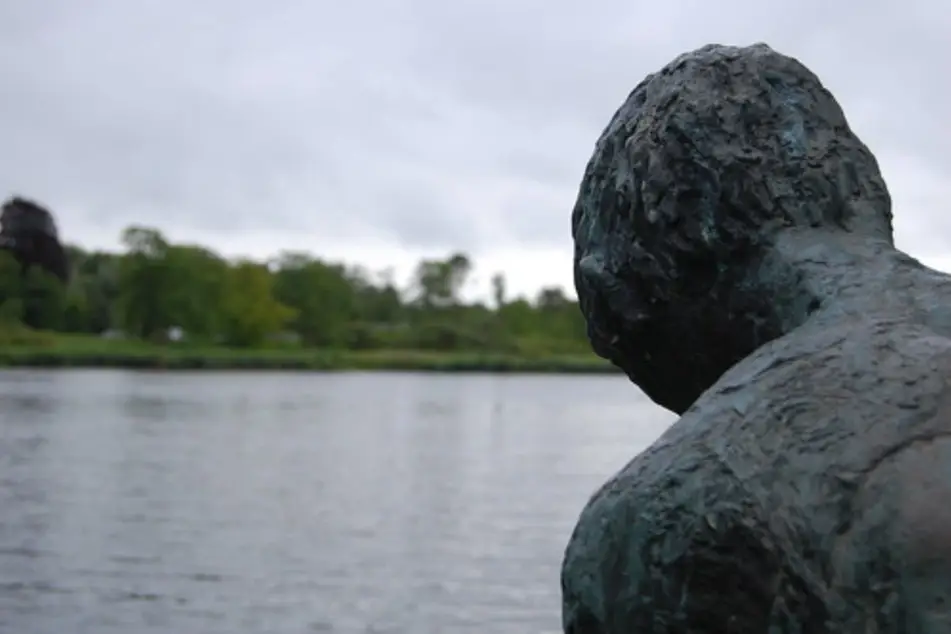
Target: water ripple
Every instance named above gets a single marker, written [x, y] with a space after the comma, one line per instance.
[272, 503]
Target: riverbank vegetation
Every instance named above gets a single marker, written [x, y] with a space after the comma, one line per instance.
[160, 304]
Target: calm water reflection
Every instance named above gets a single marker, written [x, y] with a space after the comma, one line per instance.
[289, 503]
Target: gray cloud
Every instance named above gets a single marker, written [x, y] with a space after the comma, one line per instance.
[418, 124]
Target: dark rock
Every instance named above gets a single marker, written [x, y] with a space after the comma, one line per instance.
[734, 256]
[29, 231]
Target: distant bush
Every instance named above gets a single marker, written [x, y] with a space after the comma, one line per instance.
[13, 334]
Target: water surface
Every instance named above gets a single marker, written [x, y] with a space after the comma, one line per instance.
[274, 503]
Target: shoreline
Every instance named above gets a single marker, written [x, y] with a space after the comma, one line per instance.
[302, 360]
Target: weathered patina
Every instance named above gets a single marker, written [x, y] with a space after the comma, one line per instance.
[734, 256]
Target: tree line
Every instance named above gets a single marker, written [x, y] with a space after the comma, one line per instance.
[154, 288]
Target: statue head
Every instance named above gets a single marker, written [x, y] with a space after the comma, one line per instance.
[698, 172]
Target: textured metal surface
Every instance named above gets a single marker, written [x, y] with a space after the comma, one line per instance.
[734, 256]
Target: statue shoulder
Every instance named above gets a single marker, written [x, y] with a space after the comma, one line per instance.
[853, 359]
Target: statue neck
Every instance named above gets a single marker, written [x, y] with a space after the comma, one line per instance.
[802, 275]
[807, 271]
[680, 349]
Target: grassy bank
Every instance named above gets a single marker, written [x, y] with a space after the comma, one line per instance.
[45, 350]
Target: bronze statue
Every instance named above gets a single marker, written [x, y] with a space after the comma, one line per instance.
[734, 256]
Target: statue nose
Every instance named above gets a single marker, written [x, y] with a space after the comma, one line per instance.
[592, 268]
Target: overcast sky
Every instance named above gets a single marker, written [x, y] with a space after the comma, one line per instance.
[379, 131]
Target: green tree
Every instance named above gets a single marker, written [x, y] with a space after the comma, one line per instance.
[322, 296]
[552, 298]
[498, 290]
[198, 283]
[559, 324]
[155, 284]
[11, 276]
[378, 301]
[76, 316]
[251, 312]
[44, 300]
[439, 282]
[145, 283]
[95, 286]
[518, 317]
[11, 289]
[11, 313]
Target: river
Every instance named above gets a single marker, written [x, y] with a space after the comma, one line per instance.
[272, 503]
